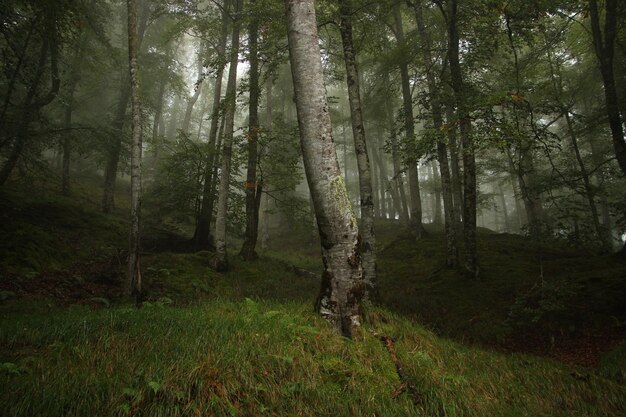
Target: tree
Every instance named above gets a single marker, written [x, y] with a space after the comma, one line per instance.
[416, 228]
[115, 146]
[220, 260]
[604, 48]
[134, 270]
[442, 152]
[341, 289]
[201, 233]
[368, 243]
[254, 187]
[469, 161]
[33, 102]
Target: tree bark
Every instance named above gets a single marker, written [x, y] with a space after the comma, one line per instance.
[368, 236]
[134, 270]
[254, 186]
[341, 289]
[220, 261]
[469, 162]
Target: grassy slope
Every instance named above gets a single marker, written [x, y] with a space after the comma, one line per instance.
[578, 290]
[267, 358]
[272, 356]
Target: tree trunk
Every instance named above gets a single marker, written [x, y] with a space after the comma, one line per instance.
[416, 228]
[158, 114]
[196, 94]
[455, 169]
[505, 212]
[134, 270]
[341, 290]
[203, 224]
[368, 236]
[401, 202]
[113, 155]
[604, 48]
[220, 260]
[437, 192]
[252, 184]
[265, 209]
[69, 108]
[469, 162]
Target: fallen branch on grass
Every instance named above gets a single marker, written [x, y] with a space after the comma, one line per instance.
[405, 381]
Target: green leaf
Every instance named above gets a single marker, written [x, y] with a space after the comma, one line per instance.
[155, 386]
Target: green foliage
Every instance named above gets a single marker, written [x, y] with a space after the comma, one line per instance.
[544, 301]
[175, 192]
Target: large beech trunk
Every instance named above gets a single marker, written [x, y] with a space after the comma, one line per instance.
[341, 290]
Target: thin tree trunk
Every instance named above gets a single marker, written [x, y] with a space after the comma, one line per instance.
[341, 290]
[402, 207]
[368, 236]
[517, 198]
[158, 114]
[437, 193]
[505, 212]
[253, 184]
[469, 162]
[455, 169]
[203, 224]
[115, 147]
[197, 91]
[416, 228]
[69, 108]
[265, 229]
[220, 260]
[134, 270]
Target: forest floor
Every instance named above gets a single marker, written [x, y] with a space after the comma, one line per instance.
[246, 342]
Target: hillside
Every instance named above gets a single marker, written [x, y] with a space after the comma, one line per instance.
[246, 342]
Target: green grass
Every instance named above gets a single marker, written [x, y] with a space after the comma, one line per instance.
[262, 358]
